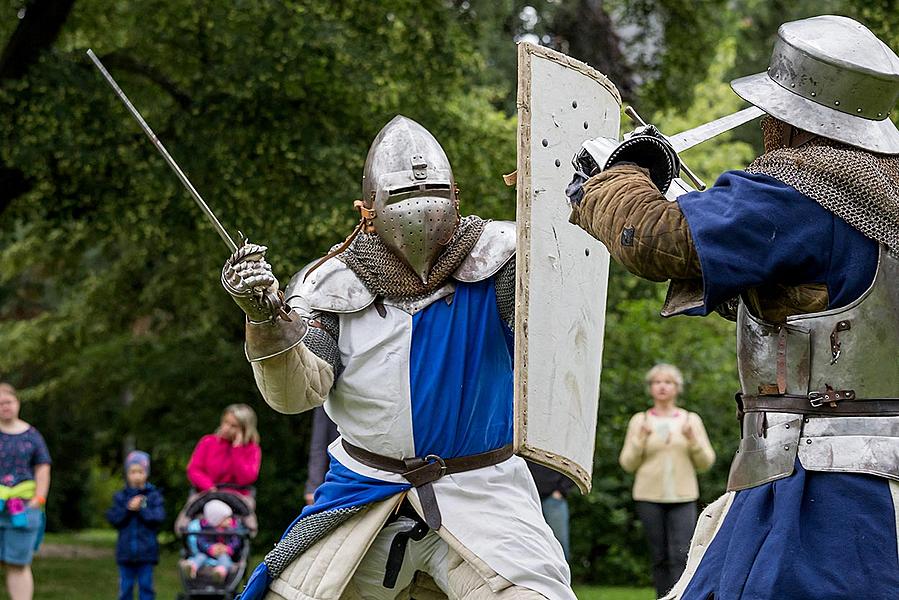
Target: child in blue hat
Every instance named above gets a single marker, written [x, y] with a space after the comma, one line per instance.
[137, 512]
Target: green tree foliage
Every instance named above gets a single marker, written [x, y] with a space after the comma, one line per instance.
[113, 320]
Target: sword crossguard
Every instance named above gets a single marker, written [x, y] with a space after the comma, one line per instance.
[636, 118]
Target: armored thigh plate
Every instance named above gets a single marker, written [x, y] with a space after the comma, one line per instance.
[851, 444]
[767, 450]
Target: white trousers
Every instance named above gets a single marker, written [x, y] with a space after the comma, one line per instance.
[428, 554]
[454, 577]
[349, 564]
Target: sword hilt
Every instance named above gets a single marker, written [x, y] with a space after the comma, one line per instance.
[274, 301]
[696, 181]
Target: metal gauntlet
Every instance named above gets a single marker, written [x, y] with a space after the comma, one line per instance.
[645, 147]
[248, 277]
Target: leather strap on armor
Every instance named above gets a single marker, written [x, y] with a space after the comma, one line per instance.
[422, 472]
[842, 403]
[398, 546]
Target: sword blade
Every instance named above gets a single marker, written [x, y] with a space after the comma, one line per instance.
[165, 154]
[691, 137]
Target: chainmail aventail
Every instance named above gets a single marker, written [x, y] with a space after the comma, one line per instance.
[859, 186]
[385, 274]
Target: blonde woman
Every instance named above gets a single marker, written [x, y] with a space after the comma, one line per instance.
[666, 445]
[231, 455]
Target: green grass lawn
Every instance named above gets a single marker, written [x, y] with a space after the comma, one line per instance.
[82, 575]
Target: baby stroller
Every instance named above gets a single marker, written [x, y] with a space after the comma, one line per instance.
[243, 507]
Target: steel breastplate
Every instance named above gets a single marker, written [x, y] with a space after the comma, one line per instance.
[848, 352]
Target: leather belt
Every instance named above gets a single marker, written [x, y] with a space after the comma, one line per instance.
[422, 472]
[834, 403]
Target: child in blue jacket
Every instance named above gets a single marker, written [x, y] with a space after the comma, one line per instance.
[137, 512]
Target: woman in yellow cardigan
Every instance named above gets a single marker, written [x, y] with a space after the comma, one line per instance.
[666, 445]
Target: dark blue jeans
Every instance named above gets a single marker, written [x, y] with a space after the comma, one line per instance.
[555, 511]
[142, 575]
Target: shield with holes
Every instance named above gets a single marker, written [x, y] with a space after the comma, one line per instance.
[562, 272]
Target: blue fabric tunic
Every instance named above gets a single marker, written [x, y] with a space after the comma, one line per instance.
[460, 371]
[811, 535]
[753, 229]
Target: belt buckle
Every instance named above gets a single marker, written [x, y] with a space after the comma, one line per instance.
[434, 458]
[816, 399]
[830, 396]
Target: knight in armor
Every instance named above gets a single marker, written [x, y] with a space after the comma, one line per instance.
[801, 249]
[404, 334]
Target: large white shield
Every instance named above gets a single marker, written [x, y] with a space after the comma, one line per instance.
[562, 272]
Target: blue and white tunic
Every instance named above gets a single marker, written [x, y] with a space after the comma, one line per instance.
[435, 377]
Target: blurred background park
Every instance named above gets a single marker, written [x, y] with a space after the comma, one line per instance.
[113, 324]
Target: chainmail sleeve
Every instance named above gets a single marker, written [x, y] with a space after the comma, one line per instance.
[321, 339]
[504, 281]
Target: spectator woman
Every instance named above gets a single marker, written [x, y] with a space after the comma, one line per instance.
[24, 483]
[231, 455]
[666, 445]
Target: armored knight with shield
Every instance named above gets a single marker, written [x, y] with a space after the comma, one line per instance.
[801, 249]
[404, 333]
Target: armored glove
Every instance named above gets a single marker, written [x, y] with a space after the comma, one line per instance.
[250, 281]
[645, 147]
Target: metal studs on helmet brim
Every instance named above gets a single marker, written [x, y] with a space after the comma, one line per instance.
[830, 76]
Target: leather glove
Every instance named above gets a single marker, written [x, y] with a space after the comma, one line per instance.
[248, 277]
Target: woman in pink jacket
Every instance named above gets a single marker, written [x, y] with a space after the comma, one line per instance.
[231, 455]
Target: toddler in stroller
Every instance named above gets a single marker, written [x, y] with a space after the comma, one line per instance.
[215, 528]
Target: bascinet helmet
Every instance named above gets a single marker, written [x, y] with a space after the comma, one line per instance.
[830, 76]
[408, 184]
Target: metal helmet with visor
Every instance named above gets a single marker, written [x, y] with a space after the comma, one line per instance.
[410, 194]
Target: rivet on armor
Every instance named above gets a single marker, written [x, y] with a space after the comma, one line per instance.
[558, 163]
[808, 441]
[585, 125]
[792, 85]
[586, 251]
[545, 142]
[787, 426]
[807, 419]
[836, 102]
[814, 94]
[786, 447]
[858, 110]
[574, 104]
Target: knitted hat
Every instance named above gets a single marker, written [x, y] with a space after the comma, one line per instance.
[136, 457]
[216, 511]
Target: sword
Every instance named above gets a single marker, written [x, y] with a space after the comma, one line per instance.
[691, 137]
[271, 299]
[165, 154]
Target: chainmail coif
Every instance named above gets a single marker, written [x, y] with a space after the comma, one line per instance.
[859, 186]
[385, 274]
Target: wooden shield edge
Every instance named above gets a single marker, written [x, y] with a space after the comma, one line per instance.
[582, 475]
